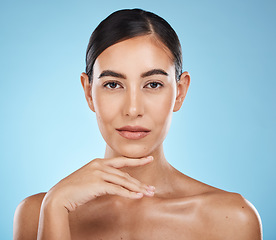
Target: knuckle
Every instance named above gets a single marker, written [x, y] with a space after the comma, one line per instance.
[126, 175]
[97, 172]
[132, 194]
[123, 181]
[117, 190]
[122, 189]
[95, 160]
[96, 163]
[143, 185]
[138, 183]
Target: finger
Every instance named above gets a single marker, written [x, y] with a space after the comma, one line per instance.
[120, 162]
[126, 183]
[114, 189]
[118, 172]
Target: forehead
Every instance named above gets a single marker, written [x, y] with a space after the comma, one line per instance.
[135, 55]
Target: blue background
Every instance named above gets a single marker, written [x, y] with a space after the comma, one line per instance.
[224, 135]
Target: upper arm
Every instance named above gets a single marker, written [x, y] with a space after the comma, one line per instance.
[26, 218]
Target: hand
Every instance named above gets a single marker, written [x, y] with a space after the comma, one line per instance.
[100, 177]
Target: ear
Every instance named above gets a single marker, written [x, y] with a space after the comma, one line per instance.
[182, 88]
[87, 87]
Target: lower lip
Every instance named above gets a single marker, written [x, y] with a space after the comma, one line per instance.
[133, 135]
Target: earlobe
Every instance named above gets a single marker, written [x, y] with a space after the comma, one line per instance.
[182, 88]
[87, 87]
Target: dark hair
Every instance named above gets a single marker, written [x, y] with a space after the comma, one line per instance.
[128, 23]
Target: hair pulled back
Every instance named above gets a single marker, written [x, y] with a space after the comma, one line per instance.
[128, 23]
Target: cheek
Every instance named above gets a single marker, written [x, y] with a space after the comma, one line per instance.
[160, 109]
[164, 105]
[107, 109]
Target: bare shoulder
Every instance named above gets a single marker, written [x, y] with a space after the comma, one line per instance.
[219, 214]
[26, 217]
[231, 216]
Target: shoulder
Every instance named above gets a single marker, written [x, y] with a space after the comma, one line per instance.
[231, 216]
[219, 214]
[26, 217]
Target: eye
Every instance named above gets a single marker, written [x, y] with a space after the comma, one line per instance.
[155, 85]
[112, 85]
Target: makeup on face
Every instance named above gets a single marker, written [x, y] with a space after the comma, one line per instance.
[133, 132]
[133, 135]
[133, 93]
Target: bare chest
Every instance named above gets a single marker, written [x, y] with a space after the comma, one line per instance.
[148, 219]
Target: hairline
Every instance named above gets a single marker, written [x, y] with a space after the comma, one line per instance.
[154, 38]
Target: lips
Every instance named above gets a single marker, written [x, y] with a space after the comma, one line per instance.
[133, 129]
[133, 132]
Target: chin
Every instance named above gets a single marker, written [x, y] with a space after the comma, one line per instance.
[134, 151]
[134, 154]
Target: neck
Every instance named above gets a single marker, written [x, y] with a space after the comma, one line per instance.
[156, 173]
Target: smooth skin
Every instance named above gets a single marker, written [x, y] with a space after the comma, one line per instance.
[126, 195]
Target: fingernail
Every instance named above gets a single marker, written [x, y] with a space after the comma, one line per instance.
[151, 187]
[139, 194]
[150, 157]
[150, 193]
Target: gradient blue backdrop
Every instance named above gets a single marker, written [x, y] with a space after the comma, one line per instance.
[224, 135]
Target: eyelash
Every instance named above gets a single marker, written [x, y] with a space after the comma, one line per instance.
[105, 85]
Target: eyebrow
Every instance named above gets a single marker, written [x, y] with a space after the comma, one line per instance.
[111, 73]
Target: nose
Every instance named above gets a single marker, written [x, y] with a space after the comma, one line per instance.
[134, 106]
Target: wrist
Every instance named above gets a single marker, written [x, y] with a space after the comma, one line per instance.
[53, 220]
[52, 201]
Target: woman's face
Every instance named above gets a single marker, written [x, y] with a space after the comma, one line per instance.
[125, 91]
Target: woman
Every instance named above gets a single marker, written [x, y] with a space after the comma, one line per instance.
[133, 83]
